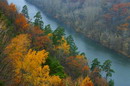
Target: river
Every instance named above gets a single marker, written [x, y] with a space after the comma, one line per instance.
[120, 63]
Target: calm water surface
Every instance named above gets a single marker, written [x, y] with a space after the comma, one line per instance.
[120, 63]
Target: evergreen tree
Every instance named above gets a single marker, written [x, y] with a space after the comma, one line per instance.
[95, 64]
[111, 83]
[57, 35]
[73, 47]
[55, 67]
[107, 68]
[25, 11]
[47, 29]
[38, 20]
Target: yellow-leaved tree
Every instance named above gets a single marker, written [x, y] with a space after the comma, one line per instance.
[87, 82]
[26, 66]
[31, 72]
[64, 46]
[18, 47]
[15, 51]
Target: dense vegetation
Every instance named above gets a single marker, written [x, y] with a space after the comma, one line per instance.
[105, 21]
[31, 54]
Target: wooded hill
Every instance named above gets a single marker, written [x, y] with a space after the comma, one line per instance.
[34, 55]
[105, 21]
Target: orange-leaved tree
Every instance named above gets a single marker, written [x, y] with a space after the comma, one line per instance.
[36, 31]
[76, 66]
[21, 22]
[12, 11]
[42, 42]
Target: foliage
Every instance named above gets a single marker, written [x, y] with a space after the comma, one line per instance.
[63, 45]
[95, 64]
[38, 20]
[21, 22]
[9, 10]
[15, 52]
[87, 82]
[73, 47]
[100, 20]
[57, 35]
[107, 68]
[35, 31]
[47, 29]
[55, 67]
[111, 83]
[76, 66]
[25, 11]
[31, 58]
[31, 71]
[97, 68]
[18, 46]
[42, 42]
[27, 67]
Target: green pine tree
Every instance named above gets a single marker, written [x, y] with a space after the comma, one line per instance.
[25, 11]
[73, 47]
[47, 29]
[57, 35]
[38, 20]
[107, 68]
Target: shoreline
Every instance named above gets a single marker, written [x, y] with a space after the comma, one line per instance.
[61, 22]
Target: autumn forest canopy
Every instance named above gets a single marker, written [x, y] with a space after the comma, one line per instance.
[32, 54]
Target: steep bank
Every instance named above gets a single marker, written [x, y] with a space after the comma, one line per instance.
[101, 31]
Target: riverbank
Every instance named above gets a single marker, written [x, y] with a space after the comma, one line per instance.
[98, 37]
[120, 63]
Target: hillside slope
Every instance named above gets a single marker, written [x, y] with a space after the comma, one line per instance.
[105, 21]
[33, 55]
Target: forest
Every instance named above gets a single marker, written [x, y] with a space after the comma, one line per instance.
[32, 54]
[104, 21]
